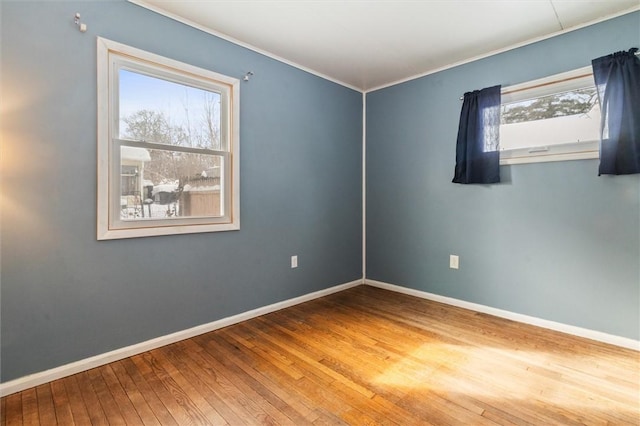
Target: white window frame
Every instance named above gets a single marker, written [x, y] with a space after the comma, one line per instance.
[112, 57]
[579, 78]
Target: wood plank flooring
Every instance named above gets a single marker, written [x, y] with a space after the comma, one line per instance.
[364, 356]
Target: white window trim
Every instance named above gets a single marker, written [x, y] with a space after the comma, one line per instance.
[541, 87]
[107, 228]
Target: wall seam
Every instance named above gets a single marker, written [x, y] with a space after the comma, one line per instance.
[364, 186]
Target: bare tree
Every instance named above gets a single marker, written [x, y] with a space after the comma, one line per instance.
[212, 126]
[167, 165]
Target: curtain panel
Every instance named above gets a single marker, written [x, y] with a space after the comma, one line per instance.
[617, 79]
[477, 149]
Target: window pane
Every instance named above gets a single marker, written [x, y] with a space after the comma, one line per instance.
[568, 117]
[156, 110]
[164, 184]
[573, 102]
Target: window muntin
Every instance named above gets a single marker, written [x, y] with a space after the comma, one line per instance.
[168, 146]
[551, 119]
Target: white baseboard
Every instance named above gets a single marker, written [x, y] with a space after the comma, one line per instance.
[526, 319]
[36, 379]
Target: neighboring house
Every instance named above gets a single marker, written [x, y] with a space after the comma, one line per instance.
[132, 179]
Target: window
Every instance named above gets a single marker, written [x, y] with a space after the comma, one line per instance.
[552, 119]
[168, 146]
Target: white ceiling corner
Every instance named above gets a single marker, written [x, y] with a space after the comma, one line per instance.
[366, 44]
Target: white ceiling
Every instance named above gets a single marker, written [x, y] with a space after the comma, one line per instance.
[368, 44]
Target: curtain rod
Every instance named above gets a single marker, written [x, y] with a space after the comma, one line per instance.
[535, 86]
[508, 92]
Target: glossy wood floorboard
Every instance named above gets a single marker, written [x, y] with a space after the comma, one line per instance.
[364, 356]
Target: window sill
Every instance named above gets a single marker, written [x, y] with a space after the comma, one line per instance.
[565, 152]
[112, 234]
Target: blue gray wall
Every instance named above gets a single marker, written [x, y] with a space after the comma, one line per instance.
[554, 241]
[66, 296]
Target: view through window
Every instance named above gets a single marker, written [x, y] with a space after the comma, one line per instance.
[169, 183]
[556, 118]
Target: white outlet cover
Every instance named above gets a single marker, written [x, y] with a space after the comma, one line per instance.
[294, 261]
[454, 261]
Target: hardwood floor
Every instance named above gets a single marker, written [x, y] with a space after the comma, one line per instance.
[364, 356]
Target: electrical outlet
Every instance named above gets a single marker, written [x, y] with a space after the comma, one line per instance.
[294, 262]
[454, 261]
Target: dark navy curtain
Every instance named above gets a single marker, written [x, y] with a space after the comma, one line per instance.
[477, 154]
[617, 78]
